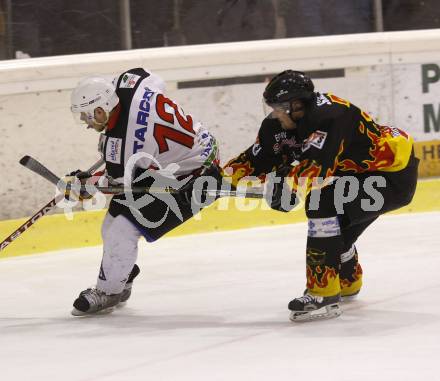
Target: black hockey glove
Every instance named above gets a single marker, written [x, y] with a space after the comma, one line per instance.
[275, 202]
[185, 193]
[79, 174]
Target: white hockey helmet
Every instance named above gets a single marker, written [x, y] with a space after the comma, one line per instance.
[89, 94]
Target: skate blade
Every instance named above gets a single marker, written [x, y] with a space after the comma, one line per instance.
[327, 312]
[349, 298]
[79, 313]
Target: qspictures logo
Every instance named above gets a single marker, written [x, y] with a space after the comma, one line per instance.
[203, 190]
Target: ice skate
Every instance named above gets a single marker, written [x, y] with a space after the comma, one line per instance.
[344, 297]
[92, 301]
[126, 293]
[310, 307]
[347, 298]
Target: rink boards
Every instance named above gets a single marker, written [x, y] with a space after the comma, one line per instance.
[393, 76]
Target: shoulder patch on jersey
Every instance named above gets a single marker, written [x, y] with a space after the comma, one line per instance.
[316, 139]
[129, 81]
[321, 100]
[113, 150]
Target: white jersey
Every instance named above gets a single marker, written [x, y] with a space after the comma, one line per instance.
[154, 131]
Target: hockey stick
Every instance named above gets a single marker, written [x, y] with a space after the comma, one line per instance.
[41, 170]
[37, 168]
[18, 232]
[118, 189]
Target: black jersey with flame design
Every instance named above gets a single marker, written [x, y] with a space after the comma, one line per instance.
[334, 138]
[273, 148]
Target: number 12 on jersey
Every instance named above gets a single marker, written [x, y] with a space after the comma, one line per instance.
[162, 133]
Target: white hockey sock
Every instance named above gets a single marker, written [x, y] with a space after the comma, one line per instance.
[120, 238]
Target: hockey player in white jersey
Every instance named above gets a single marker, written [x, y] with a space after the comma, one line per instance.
[146, 139]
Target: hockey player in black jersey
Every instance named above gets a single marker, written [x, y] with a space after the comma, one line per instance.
[352, 169]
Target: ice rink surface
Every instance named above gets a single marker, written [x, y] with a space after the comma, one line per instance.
[214, 307]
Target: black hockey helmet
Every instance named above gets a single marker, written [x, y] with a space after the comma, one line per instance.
[287, 86]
